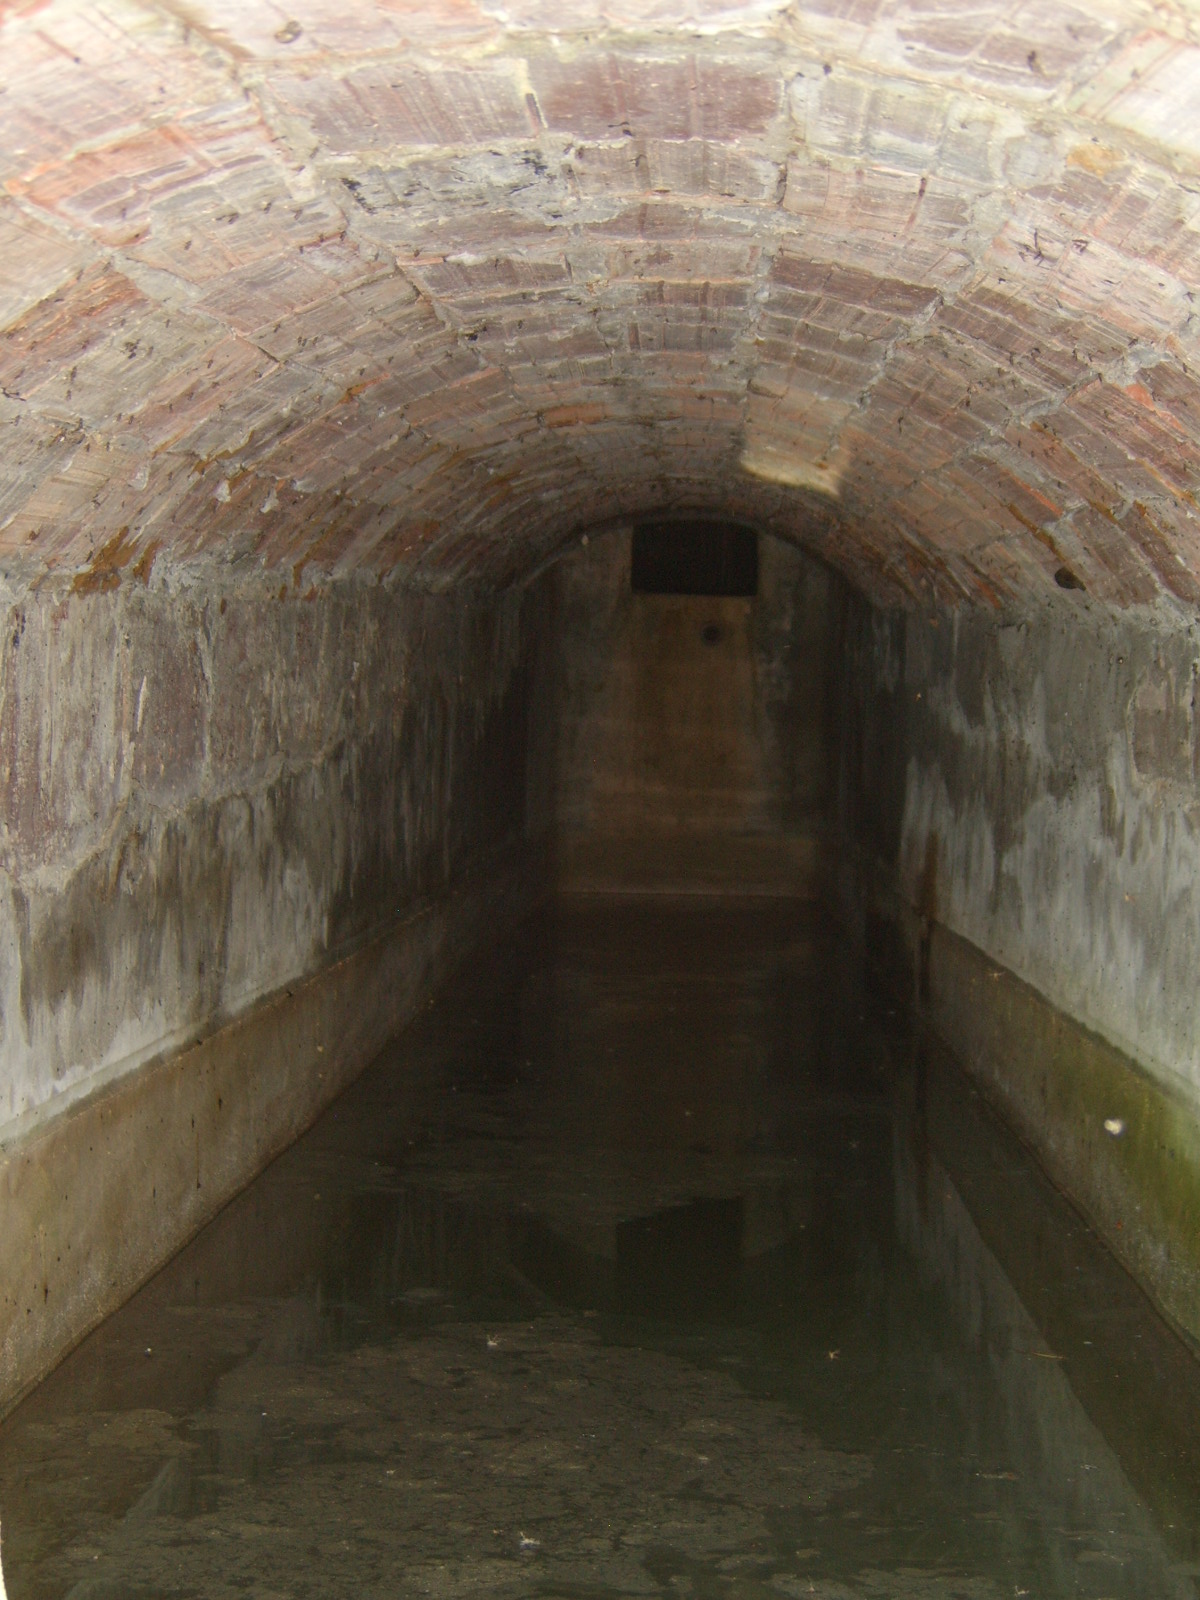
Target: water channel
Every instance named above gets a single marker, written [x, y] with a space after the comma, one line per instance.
[658, 1258]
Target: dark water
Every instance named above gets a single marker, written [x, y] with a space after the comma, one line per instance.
[657, 1260]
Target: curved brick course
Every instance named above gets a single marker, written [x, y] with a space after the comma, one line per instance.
[430, 286]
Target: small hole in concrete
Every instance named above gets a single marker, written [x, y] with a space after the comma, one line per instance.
[1066, 579]
[711, 633]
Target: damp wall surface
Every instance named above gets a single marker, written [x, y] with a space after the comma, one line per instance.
[1019, 848]
[244, 830]
[692, 730]
[208, 797]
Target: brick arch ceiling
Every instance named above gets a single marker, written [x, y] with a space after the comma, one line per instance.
[429, 285]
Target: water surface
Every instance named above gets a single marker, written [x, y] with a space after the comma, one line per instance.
[658, 1259]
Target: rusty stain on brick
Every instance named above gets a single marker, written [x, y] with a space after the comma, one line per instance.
[104, 571]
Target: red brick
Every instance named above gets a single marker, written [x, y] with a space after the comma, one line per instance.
[607, 97]
[378, 107]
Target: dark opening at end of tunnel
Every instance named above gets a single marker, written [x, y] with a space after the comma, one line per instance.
[695, 557]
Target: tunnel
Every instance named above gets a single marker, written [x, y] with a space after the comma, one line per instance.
[640, 488]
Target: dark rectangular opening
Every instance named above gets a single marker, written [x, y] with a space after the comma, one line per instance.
[700, 557]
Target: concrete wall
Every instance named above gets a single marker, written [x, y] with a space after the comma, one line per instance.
[242, 832]
[692, 731]
[1021, 835]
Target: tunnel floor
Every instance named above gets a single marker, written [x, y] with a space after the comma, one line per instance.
[659, 1258]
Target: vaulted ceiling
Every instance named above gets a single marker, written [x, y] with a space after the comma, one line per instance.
[430, 285]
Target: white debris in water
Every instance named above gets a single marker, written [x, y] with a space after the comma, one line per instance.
[1115, 1126]
[3, 1591]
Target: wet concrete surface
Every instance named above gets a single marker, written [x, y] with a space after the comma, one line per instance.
[659, 1258]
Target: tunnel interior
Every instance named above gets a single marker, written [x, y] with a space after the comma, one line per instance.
[690, 712]
[667, 459]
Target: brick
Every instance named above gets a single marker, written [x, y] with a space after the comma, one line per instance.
[378, 108]
[86, 75]
[307, 28]
[1149, 89]
[882, 296]
[110, 191]
[36, 261]
[684, 97]
[54, 336]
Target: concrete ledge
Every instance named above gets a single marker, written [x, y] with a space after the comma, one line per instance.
[97, 1198]
[1069, 1288]
[1058, 1084]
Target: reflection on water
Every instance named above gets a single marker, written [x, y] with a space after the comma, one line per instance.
[658, 1260]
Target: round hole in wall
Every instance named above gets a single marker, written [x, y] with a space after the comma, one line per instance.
[711, 633]
[1066, 579]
